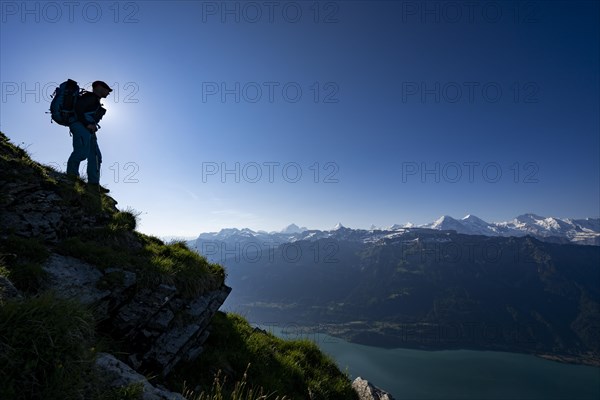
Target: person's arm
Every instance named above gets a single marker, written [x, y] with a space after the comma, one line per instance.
[85, 109]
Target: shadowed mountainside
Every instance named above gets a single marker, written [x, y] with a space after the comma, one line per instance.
[423, 288]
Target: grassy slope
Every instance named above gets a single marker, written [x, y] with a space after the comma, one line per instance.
[47, 345]
[293, 368]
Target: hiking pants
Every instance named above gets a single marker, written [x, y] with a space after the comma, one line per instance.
[85, 146]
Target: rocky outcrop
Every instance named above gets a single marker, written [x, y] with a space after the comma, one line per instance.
[34, 209]
[160, 326]
[367, 391]
[73, 278]
[171, 330]
[116, 374]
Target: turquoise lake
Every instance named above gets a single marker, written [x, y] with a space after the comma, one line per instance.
[457, 374]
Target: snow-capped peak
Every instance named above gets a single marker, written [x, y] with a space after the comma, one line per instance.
[528, 218]
[338, 226]
[396, 227]
[470, 225]
[475, 221]
[579, 231]
[443, 221]
[472, 218]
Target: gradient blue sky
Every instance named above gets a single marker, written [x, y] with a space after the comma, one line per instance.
[388, 89]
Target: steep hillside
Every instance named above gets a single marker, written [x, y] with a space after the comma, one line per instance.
[89, 308]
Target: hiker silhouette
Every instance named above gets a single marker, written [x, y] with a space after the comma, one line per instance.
[88, 112]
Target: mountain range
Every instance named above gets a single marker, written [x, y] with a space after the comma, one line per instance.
[550, 229]
[532, 280]
[426, 288]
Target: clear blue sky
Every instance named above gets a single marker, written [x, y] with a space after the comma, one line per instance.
[400, 111]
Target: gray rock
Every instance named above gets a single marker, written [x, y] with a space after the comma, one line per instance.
[184, 338]
[116, 374]
[144, 305]
[161, 320]
[367, 391]
[74, 279]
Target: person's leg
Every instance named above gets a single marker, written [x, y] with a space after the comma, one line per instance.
[81, 147]
[94, 161]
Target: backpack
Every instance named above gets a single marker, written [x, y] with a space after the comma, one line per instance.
[62, 106]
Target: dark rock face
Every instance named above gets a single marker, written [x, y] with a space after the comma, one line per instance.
[175, 330]
[160, 326]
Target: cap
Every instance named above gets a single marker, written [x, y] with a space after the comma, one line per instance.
[103, 84]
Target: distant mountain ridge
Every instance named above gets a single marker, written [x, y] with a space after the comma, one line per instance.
[420, 288]
[549, 229]
[578, 231]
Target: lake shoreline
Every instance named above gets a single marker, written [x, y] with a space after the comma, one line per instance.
[574, 359]
[392, 342]
[423, 372]
[589, 361]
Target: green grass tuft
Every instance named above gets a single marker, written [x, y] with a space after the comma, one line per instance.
[133, 391]
[16, 162]
[241, 390]
[176, 264]
[153, 261]
[45, 348]
[124, 221]
[290, 368]
[4, 272]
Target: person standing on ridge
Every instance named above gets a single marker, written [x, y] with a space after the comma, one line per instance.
[89, 112]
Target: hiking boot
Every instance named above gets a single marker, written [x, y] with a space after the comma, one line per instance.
[97, 188]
